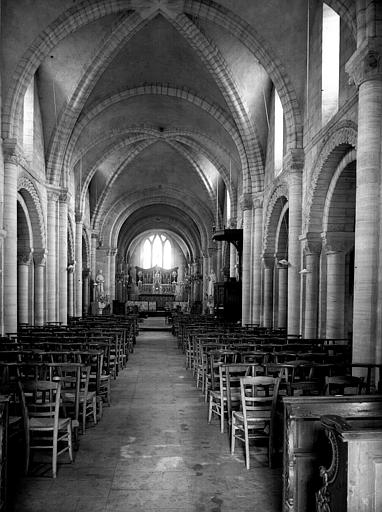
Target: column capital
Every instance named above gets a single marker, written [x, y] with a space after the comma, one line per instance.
[13, 152]
[64, 196]
[52, 193]
[311, 243]
[366, 63]
[71, 266]
[294, 161]
[3, 234]
[86, 272]
[39, 257]
[246, 201]
[212, 251]
[268, 260]
[24, 257]
[111, 251]
[78, 217]
[337, 242]
[257, 203]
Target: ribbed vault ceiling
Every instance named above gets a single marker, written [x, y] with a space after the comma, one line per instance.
[144, 103]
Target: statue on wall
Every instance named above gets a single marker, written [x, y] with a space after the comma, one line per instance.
[100, 280]
[211, 282]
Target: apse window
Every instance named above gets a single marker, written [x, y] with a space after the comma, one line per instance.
[156, 251]
[330, 63]
[278, 134]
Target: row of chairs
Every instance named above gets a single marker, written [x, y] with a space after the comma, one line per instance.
[52, 397]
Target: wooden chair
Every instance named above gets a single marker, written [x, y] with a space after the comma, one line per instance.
[76, 396]
[255, 420]
[45, 430]
[343, 384]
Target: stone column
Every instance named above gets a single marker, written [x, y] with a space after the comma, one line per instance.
[12, 158]
[365, 67]
[52, 303]
[294, 162]
[246, 205]
[205, 280]
[39, 258]
[2, 238]
[93, 255]
[85, 292]
[335, 245]
[23, 264]
[70, 288]
[257, 237]
[312, 249]
[268, 264]
[282, 279]
[113, 253]
[78, 256]
[63, 258]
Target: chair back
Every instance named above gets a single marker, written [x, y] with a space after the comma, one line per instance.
[42, 399]
[259, 394]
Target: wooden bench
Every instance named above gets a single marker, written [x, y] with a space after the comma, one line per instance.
[303, 441]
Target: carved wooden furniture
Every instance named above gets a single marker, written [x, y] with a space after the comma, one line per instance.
[3, 451]
[303, 435]
[227, 300]
[352, 479]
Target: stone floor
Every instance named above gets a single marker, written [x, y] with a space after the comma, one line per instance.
[153, 450]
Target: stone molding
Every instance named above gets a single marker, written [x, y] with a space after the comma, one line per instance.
[78, 217]
[36, 213]
[344, 132]
[149, 8]
[366, 63]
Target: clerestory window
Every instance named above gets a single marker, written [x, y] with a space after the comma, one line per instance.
[330, 63]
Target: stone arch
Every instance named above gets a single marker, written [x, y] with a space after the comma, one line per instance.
[274, 210]
[24, 229]
[29, 193]
[162, 89]
[340, 140]
[344, 215]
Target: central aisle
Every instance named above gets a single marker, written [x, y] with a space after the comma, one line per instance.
[154, 450]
